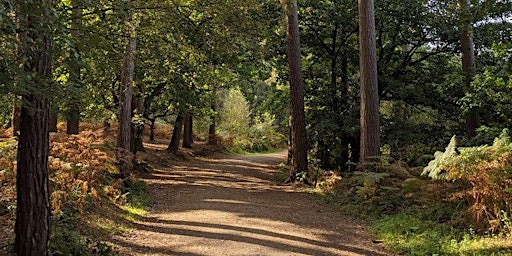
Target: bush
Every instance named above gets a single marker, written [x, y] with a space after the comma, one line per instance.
[485, 176]
[240, 133]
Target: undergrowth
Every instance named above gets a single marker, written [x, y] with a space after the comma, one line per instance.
[464, 210]
[84, 182]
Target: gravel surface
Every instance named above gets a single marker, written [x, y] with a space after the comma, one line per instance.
[233, 205]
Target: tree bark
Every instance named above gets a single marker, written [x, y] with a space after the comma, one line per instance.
[73, 115]
[33, 207]
[138, 127]
[176, 134]
[299, 161]
[468, 64]
[54, 119]
[126, 94]
[212, 129]
[123, 154]
[187, 130]
[152, 125]
[370, 127]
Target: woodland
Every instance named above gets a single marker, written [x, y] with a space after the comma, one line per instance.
[396, 112]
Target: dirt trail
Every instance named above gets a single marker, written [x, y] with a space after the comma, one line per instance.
[233, 205]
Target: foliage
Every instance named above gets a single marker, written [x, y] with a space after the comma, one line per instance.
[435, 168]
[243, 133]
[83, 180]
[486, 174]
[407, 234]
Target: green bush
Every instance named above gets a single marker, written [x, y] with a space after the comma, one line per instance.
[240, 133]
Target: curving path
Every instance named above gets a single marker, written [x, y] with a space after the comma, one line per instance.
[233, 205]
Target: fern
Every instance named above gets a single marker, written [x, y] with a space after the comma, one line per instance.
[435, 168]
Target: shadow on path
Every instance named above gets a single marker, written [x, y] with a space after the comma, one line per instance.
[233, 205]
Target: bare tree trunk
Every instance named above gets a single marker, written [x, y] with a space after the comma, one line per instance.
[176, 134]
[73, 115]
[187, 130]
[468, 63]
[370, 127]
[54, 119]
[212, 130]
[298, 119]
[152, 129]
[123, 154]
[33, 207]
[138, 127]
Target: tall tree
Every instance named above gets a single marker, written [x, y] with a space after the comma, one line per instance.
[299, 160]
[176, 133]
[187, 130]
[73, 114]
[370, 128]
[33, 208]
[468, 62]
[124, 136]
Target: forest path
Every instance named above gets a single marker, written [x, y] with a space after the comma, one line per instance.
[233, 205]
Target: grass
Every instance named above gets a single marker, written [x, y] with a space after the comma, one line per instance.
[269, 151]
[407, 234]
[418, 221]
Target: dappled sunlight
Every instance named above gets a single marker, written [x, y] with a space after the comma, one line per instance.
[207, 205]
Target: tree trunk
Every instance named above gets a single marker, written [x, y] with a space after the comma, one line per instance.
[54, 119]
[73, 115]
[138, 126]
[176, 134]
[123, 155]
[468, 63]
[212, 130]
[370, 127]
[298, 119]
[152, 129]
[33, 207]
[187, 130]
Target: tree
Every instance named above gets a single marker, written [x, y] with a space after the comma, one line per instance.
[370, 128]
[468, 62]
[32, 227]
[124, 136]
[187, 130]
[299, 161]
[73, 113]
[176, 134]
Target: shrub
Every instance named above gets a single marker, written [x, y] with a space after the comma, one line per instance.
[485, 176]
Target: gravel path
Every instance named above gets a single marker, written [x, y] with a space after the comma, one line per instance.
[233, 205]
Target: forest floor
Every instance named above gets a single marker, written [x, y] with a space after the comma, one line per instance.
[234, 205]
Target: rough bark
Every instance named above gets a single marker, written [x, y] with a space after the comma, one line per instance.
[299, 161]
[370, 129]
[33, 208]
[123, 154]
[126, 93]
[176, 134]
[73, 113]
[468, 63]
